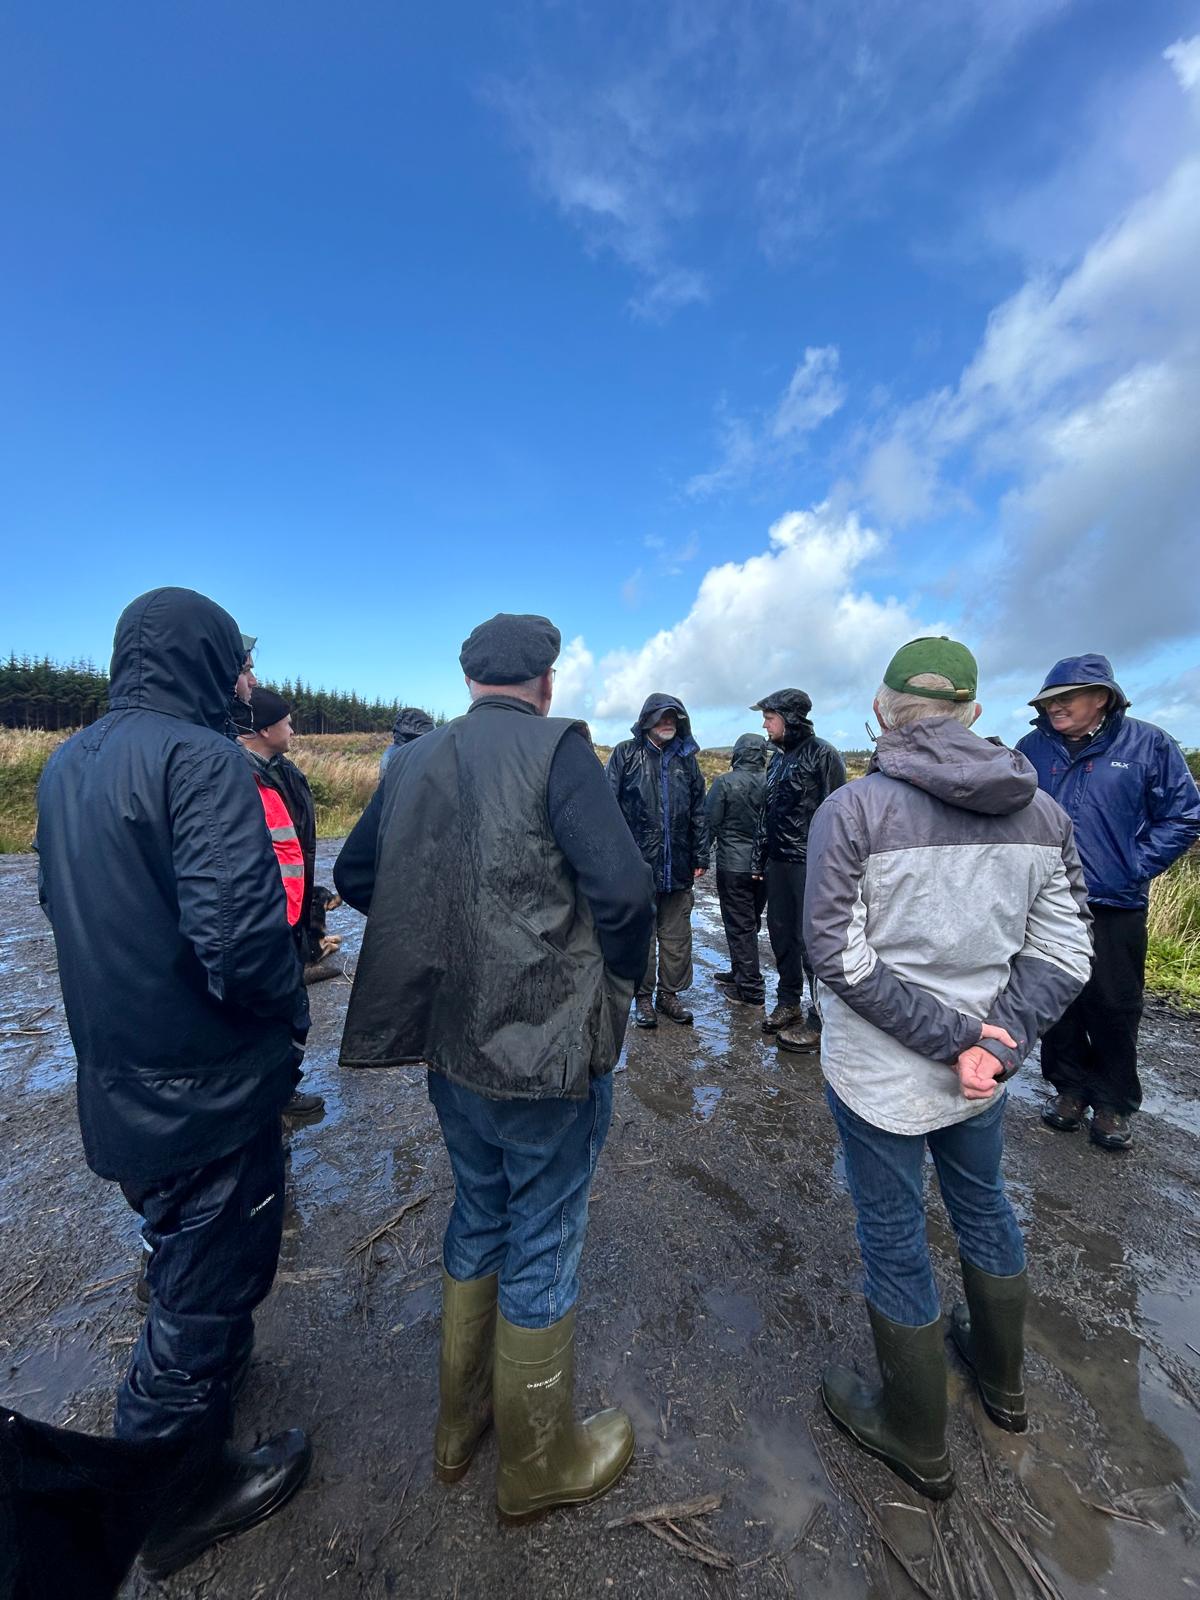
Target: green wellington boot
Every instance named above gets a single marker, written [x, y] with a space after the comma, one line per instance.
[989, 1334]
[465, 1382]
[547, 1458]
[902, 1420]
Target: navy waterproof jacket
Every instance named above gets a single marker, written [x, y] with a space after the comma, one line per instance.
[1134, 803]
[179, 973]
[661, 796]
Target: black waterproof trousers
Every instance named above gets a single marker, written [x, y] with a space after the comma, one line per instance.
[785, 924]
[742, 900]
[1092, 1050]
[214, 1234]
[670, 955]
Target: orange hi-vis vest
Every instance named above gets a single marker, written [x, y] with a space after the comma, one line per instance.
[287, 848]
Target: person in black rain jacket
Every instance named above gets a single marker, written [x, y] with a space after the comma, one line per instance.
[734, 810]
[660, 789]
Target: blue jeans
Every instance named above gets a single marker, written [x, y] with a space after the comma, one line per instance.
[522, 1174]
[886, 1175]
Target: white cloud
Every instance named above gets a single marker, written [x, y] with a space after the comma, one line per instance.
[1184, 56]
[814, 393]
[794, 614]
[1081, 409]
[574, 673]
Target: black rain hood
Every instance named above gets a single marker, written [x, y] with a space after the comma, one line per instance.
[954, 765]
[411, 722]
[750, 750]
[653, 709]
[177, 652]
[794, 706]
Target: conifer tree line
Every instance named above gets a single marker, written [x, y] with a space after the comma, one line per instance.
[50, 695]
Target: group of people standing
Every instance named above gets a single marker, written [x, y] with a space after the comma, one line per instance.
[519, 900]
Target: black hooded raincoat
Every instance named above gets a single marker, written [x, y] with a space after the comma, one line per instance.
[667, 821]
[805, 770]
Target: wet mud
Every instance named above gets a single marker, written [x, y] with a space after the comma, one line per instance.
[721, 1273]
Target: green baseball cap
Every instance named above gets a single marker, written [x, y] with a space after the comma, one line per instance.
[942, 656]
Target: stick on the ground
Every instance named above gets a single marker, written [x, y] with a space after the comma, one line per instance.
[669, 1513]
[1123, 1516]
[376, 1234]
[23, 1294]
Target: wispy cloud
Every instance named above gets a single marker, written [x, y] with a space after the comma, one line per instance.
[813, 394]
[645, 125]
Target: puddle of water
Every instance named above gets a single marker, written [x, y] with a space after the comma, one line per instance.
[705, 1098]
[41, 1382]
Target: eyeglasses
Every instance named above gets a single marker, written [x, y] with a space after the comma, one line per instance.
[1068, 698]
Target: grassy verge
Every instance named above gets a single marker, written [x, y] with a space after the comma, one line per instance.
[1173, 957]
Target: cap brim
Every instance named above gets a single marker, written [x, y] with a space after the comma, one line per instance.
[1056, 689]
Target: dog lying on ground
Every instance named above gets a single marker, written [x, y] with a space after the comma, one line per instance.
[321, 945]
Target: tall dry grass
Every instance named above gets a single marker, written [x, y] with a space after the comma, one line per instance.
[23, 754]
[1173, 957]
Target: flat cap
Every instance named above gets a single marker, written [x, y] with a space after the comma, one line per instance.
[510, 648]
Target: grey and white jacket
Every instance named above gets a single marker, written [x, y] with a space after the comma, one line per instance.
[944, 890]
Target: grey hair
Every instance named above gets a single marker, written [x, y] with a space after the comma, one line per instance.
[527, 690]
[897, 710]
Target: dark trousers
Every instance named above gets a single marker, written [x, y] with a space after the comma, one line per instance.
[1092, 1050]
[214, 1234]
[742, 900]
[785, 924]
[671, 947]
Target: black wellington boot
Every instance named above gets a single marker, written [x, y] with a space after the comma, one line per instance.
[239, 1490]
[989, 1334]
[901, 1420]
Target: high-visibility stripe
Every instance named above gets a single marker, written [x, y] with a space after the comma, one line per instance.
[282, 832]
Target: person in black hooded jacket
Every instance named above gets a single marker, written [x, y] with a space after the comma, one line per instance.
[733, 812]
[804, 771]
[660, 790]
[411, 723]
[186, 1008]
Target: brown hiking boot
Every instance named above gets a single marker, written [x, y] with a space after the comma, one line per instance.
[643, 1012]
[668, 1004]
[1065, 1113]
[800, 1037]
[782, 1017]
[1110, 1129]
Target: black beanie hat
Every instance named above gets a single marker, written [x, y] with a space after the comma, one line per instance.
[266, 708]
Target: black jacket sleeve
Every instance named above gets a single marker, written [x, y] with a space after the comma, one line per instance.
[354, 869]
[591, 832]
[230, 895]
[701, 844]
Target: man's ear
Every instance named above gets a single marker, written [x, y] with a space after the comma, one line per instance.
[878, 713]
[978, 713]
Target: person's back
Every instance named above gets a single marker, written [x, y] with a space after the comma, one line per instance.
[180, 998]
[949, 822]
[183, 996]
[508, 912]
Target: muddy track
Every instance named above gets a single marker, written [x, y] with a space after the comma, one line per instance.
[721, 1272]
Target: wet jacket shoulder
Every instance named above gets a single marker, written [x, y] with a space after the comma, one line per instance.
[661, 794]
[179, 975]
[735, 802]
[1134, 804]
[803, 773]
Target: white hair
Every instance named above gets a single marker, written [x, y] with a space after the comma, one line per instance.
[897, 710]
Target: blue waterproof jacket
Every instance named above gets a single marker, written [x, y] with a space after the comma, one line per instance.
[1134, 803]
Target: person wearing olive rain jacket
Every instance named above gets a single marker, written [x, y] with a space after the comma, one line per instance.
[805, 769]
[188, 1014]
[1136, 809]
[660, 790]
[733, 811]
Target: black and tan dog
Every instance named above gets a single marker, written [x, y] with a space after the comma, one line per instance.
[321, 945]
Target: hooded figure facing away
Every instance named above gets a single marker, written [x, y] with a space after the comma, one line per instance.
[184, 998]
[804, 771]
[946, 918]
[660, 790]
[1136, 809]
[411, 722]
[733, 811]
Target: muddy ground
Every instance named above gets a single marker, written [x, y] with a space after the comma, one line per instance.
[720, 1273]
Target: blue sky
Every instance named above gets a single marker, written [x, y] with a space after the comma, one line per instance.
[745, 342]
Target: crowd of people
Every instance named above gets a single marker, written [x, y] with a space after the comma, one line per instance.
[930, 922]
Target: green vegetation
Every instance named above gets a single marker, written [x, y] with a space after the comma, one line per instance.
[343, 769]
